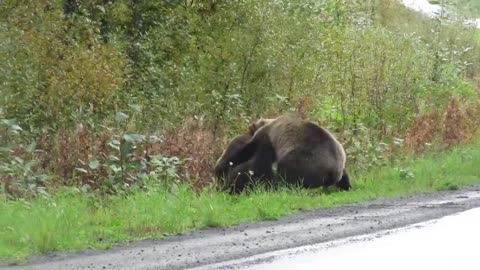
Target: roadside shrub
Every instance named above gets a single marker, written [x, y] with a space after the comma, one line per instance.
[459, 125]
[423, 132]
[21, 174]
[195, 144]
[63, 73]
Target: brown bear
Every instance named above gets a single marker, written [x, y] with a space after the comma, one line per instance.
[305, 154]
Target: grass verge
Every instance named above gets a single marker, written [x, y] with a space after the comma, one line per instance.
[71, 221]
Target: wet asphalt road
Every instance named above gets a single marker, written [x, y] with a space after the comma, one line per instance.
[447, 243]
[219, 248]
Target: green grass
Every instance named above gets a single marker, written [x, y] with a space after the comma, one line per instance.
[469, 7]
[74, 221]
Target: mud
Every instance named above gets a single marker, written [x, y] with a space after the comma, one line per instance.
[213, 248]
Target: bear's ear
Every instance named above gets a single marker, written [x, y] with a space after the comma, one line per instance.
[252, 128]
[255, 126]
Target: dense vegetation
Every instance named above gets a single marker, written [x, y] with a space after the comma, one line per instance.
[114, 109]
[106, 95]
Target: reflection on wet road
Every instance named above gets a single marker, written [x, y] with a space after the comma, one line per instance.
[448, 243]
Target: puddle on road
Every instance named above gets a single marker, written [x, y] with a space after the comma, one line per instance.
[447, 243]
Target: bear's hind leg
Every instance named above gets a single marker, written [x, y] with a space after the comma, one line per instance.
[344, 182]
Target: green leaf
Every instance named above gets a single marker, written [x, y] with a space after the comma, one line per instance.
[15, 128]
[18, 159]
[94, 164]
[42, 177]
[9, 122]
[31, 147]
[132, 137]
[121, 117]
[143, 177]
[137, 108]
[113, 158]
[6, 149]
[81, 170]
[101, 8]
[114, 144]
[127, 149]
[115, 168]
[85, 188]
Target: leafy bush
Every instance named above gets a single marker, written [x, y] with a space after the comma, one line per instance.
[20, 175]
[55, 72]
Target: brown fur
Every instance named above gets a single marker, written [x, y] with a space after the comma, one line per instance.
[244, 161]
[305, 152]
